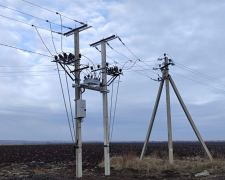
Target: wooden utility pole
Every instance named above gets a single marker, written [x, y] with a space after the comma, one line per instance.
[167, 77]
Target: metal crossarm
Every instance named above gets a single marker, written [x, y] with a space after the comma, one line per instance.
[84, 27]
[105, 40]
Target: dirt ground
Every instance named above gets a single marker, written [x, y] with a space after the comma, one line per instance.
[57, 161]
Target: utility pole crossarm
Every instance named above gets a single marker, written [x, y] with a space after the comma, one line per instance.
[79, 29]
[105, 40]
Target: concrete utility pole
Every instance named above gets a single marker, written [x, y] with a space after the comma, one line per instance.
[170, 142]
[166, 76]
[105, 110]
[77, 97]
[77, 70]
[189, 118]
[104, 92]
[152, 120]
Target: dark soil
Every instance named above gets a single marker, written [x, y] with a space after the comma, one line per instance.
[57, 161]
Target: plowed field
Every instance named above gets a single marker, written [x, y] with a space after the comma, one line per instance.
[57, 161]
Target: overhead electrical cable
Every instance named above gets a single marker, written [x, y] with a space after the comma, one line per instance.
[30, 75]
[25, 50]
[89, 60]
[132, 64]
[114, 113]
[106, 55]
[61, 30]
[199, 82]
[24, 71]
[52, 36]
[26, 66]
[34, 16]
[127, 47]
[125, 64]
[65, 103]
[200, 74]
[140, 73]
[71, 112]
[146, 63]
[29, 24]
[147, 69]
[110, 111]
[129, 68]
[43, 41]
[117, 51]
[54, 12]
[129, 60]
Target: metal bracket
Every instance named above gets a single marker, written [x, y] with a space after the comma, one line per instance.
[94, 88]
[79, 69]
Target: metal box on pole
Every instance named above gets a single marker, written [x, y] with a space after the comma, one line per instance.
[81, 108]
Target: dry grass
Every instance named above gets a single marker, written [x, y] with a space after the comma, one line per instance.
[159, 166]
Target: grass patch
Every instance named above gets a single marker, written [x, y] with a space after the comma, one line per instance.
[155, 166]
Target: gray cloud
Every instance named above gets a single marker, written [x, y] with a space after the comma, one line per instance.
[31, 107]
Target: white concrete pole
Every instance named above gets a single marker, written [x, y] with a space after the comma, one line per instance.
[105, 110]
[78, 120]
[189, 118]
[152, 120]
[169, 126]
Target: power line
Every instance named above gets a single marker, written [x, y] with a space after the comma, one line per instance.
[118, 51]
[34, 16]
[141, 73]
[126, 56]
[138, 71]
[106, 55]
[61, 29]
[144, 62]
[25, 50]
[89, 60]
[124, 61]
[26, 66]
[198, 82]
[52, 37]
[127, 47]
[110, 115]
[28, 24]
[65, 102]
[147, 69]
[24, 71]
[123, 56]
[115, 108]
[125, 64]
[68, 91]
[200, 74]
[30, 75]
[132, 65]
[53, 12]
[42, 40]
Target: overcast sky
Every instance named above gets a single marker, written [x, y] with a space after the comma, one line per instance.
[190, 32]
